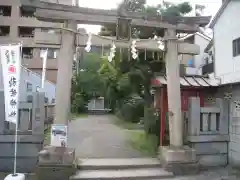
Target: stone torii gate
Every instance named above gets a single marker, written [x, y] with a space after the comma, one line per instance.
[70, 16]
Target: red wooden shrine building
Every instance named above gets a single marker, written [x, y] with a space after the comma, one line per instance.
[190, 87]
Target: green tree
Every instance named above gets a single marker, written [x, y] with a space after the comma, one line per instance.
[86, 83]
[165, 9]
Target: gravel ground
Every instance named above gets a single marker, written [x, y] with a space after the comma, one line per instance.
[97, 137]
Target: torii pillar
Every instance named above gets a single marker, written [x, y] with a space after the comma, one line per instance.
[64, 75]
[175, 157]
[61, 158]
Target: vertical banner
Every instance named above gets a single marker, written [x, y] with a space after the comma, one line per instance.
[11, 68]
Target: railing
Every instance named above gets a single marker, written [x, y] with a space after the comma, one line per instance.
[186, 70]
[47, 38]
[208, 131]
[207, 69]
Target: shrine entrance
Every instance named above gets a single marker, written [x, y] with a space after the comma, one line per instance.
[169, 44]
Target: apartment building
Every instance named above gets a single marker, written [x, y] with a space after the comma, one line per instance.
[18, 24]
[192, 64]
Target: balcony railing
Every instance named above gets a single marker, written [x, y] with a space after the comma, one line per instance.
[188, 71]
[47, 38]
[207, 69]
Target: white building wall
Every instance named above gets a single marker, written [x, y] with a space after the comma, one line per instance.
[198, 60]
[227, 68]
[202, 42]
[226, 30]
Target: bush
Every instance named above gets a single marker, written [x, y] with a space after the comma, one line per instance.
[151, 122]
[78, 104]
[145, 143]
[132, 109]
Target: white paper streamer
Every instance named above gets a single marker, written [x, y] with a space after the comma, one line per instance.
[89, 43]
[134, 50]
[112, 53]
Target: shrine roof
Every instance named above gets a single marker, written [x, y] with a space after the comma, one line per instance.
[188, 81]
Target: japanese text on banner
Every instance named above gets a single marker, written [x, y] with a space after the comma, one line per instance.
[10, 59]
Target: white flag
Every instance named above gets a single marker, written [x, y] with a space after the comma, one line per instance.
[44, 57]
[11, 68]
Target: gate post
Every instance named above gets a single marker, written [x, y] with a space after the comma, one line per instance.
[176, 157]
[56, 163]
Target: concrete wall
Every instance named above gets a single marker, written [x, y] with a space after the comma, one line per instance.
[208, 132]
[30, 138]
[34, 79]
[226, 30]
[232, 94]
[96, 104]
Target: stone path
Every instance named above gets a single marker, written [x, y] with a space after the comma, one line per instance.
[97, 137]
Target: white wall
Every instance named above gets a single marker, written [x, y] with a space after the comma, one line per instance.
[202, 42]
[226, 30]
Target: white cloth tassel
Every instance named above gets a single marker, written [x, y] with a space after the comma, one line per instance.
[112, 53]
[161, 45]
[134, 50]
[89, 43]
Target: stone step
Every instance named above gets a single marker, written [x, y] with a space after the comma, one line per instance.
[123, 174]
[118, 163]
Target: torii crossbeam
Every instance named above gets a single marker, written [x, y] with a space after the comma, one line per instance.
[171, 25]
[60, 13]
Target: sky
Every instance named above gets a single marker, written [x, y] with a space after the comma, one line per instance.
[212, 7]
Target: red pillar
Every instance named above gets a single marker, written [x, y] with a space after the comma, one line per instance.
[164, 108]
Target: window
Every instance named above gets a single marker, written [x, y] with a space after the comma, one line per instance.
[5, 10]
[26, 32]
[236, 47]
[27, 52]
[51, 30]
[4, 30]
[29, 87]
[52, 53]
[26, 11]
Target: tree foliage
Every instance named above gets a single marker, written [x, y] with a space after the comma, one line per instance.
[165, 9]
[86, 83]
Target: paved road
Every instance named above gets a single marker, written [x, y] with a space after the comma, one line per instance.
[218, 174]
[98, 137]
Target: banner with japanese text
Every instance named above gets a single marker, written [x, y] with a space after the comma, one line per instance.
[11, 67]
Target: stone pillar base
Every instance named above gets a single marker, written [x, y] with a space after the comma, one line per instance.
[179, 160]
[56, 163]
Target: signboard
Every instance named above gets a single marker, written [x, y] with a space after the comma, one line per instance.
[59, 135]
[11, 61]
